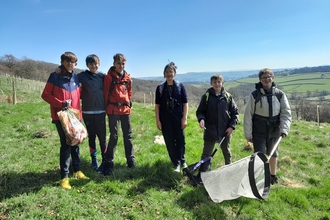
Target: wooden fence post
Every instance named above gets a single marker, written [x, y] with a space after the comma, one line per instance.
[14, 93]
[144, 98]
[318, 114]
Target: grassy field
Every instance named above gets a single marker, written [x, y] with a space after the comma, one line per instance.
[298, 83]
[29, 173]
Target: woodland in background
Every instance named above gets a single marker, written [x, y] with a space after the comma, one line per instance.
[143, 90]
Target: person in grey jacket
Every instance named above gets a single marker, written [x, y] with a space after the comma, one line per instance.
[267, 117]
[217, 114]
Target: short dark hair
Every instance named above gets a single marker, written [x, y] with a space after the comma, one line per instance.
[92, 59]
[216, 77]
[170, 66]
[119, 56]
[265, 71]
[69, 56]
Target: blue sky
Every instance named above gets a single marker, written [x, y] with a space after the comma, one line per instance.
[198, 35]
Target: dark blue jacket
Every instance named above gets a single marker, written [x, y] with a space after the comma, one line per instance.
[178, 96]
[92, 91]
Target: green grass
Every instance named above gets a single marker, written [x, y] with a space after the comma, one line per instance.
[29, 173]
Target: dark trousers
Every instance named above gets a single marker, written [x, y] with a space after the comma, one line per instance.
[174, 137]
[264, 144]
[209, 148]
[125, 121]
[96, 126]
[65, 152]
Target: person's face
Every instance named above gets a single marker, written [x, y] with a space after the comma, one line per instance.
[169, 75]
[93, 67]
[217, 85]
[69, 65]
[266, 81]
[119, 65]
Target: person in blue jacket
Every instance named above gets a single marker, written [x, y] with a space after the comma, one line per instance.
[61, 91]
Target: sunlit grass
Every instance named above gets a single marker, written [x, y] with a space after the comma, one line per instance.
[29, 173]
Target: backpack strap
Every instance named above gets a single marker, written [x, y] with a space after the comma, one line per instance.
[113, 84]
[207, 94]
[161, 87]
[257, 94]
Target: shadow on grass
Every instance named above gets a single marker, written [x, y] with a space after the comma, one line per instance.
[199, 203]
[13, 183]
[160, 175]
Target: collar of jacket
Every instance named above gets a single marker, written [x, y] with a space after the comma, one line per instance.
[112, 71]
[211, 91]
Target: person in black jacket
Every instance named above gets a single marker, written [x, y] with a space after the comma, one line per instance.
[93, 108]
[171, 111]
[217, 114]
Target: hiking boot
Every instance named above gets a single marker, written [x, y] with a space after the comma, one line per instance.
[101, 167]
[273, 179]
[131, 164]
[197, 179]
[107, 171]
[65, 184]
[80, 175]
[94, 164]
[177, 168]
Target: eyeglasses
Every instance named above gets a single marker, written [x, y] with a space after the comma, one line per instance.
[267, 77]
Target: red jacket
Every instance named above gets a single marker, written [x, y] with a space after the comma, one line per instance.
[58, 89]
[117, 96]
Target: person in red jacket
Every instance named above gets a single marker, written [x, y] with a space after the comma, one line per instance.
[117, 97]
[61, 91]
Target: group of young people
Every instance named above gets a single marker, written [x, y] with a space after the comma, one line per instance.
[110, 94]
[267, 117]
[100, 95]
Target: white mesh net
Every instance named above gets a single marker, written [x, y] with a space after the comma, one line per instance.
[248, 177]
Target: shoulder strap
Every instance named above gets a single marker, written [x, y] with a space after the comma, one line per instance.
[114, 82]
[207, 94]
[161, 87]
[257, 97]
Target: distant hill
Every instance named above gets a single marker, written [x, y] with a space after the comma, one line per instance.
[204, 77]
[197, 78]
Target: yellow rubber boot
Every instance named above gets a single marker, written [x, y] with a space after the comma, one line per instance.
[80, 175]
[65, 184]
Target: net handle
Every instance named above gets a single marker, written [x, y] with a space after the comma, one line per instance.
[216, 149]
[274, 148]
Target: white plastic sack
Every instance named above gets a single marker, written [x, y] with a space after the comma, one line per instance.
[74, 130]
[248, 177]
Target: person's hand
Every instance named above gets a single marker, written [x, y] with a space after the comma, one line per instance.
[183, 123]
[249, 140]
[202, 124]
[229, 131]
[159, 125]
[66, 104]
